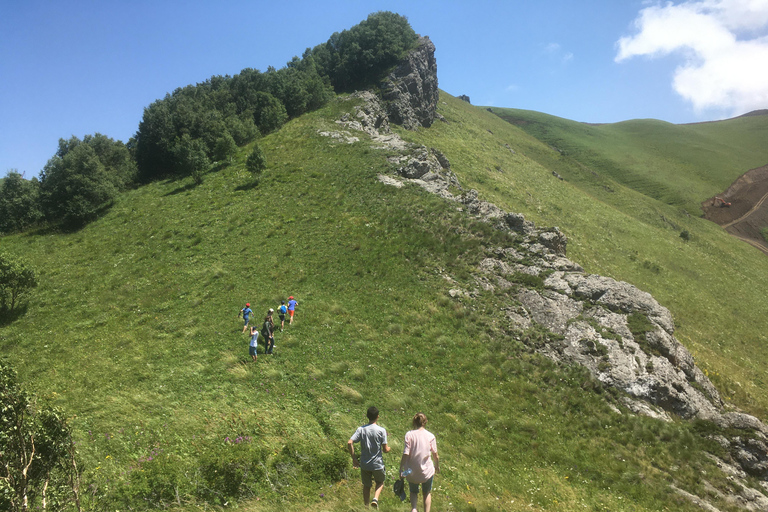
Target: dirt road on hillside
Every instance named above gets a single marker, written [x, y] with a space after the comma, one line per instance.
[748, 213]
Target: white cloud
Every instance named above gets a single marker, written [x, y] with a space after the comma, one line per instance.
[724, 46]
[555, 52]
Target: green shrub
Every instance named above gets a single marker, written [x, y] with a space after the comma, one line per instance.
[37, 454]
[256, 161]
[234, 471]
[19, 203]
[17, 278]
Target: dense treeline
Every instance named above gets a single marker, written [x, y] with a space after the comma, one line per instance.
[83, 177]
[357, 58]
[185, 132]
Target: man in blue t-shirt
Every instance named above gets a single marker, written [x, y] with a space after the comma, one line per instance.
[246, 313]
[373, 446]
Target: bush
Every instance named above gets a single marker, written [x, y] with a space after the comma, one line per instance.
[16, 280]
[232, 472]
[19, 206]
[190, 158]
[37, 454]
[256, 161]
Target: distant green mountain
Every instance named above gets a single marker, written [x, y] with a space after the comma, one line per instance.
[679, 165]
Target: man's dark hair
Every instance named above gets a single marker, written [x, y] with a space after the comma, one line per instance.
[373, 413]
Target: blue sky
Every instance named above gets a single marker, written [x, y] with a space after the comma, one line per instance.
[81, 67]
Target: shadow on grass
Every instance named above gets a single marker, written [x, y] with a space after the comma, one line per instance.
[70, 227]
[183, 188]
[8, 316]
[247, 186]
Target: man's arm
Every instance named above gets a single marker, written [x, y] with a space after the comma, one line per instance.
[351, 449]
[385, 448]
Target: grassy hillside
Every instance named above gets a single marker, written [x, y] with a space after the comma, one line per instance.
[679, 165]
[712, 284]
[133, 331]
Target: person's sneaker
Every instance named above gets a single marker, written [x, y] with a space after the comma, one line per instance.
[374, 503]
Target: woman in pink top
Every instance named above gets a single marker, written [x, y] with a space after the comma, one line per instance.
[419, 445]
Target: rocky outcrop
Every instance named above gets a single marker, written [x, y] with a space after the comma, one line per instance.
[410, 91]
[618, 332]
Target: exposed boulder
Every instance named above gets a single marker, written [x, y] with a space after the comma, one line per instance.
[410, 91]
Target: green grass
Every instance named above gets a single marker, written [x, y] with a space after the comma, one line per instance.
[679, 165]
[133, 331]
[712, 284]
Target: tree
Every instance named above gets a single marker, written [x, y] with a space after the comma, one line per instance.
[38, 468]
[190, 158]
[83, 178]
[256, 161]
[360, 56]
[16, 280]
[269, 112]
[19, 206]
[74, 188]
[225, 148]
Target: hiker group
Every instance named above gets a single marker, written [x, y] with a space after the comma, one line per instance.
[267, 328]
[418, 464]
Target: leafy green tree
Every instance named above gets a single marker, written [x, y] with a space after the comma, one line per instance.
[269, 112]
[359, 57]
[190, 158]
[83, 178]
[17, 278]
[242, 127]
[256, 161]
[19, 203]
[38, 467]
[74, 188]
[225, 148]
[154, 141]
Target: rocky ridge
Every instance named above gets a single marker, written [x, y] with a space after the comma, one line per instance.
[621, 334]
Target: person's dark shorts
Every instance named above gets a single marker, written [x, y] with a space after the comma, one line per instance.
[281, 317]
[368, 477]
[426, 487]
[252, 350]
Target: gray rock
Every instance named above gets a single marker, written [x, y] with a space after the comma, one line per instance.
[410, 91]
[554, 240]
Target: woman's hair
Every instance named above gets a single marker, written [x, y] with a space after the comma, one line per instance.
[419, 420]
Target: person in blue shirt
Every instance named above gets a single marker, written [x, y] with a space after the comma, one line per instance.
[373, 446]
[281, 311]
[246, 313]
[291, 308]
